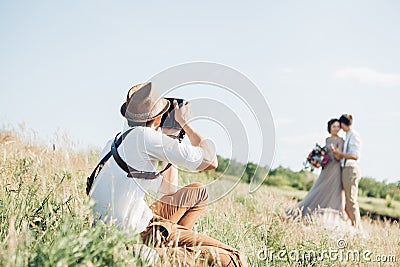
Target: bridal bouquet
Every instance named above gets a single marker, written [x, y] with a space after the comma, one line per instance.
[318, 157]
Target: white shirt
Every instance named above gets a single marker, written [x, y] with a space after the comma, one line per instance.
[352, 146]
[120, 198]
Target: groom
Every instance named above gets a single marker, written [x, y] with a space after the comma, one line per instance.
[350, 171]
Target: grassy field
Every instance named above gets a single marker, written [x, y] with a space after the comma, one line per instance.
[373, 207]
[45, 219]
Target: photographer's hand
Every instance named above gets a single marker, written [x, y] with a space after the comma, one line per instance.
[182, 114]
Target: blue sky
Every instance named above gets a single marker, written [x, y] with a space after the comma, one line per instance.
[66, 66]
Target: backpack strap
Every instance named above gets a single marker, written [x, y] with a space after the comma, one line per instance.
[99, 166]
[95, 172]
[132, 172]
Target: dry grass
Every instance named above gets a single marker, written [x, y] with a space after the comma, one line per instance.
[45, 220]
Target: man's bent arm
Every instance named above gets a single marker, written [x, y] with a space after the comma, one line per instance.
[346, 156]
[209, 157]
[208, 151]
[338, 154]
[349, 156]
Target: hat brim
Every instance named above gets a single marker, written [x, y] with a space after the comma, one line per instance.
[166, 104]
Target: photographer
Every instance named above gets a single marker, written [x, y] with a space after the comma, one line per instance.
[119, 191]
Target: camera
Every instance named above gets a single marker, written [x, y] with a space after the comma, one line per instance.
[168, 118]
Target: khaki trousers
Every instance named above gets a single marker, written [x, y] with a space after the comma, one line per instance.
[350, 178]
[170, 231]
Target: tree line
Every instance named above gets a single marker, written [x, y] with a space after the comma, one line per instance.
[302, 180]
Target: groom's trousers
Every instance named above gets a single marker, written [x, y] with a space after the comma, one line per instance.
[350, 178]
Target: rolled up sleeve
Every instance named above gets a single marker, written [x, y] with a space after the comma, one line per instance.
[164, 148]
[187, 156]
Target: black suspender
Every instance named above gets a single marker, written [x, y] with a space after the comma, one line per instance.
[131, 172]
[347, 148]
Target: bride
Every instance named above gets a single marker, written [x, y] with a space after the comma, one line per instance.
[326, 196]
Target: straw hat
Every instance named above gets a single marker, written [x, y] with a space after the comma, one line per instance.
[143, 103]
